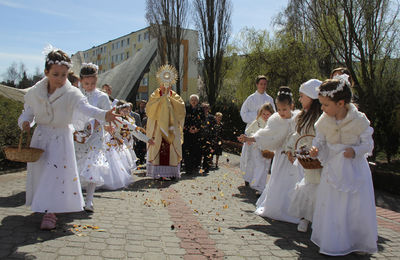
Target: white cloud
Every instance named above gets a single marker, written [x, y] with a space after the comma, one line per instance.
[21, 56]
[40, 10]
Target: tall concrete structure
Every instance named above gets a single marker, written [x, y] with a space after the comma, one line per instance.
[128, 64]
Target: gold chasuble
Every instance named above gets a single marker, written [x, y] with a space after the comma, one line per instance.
[165, 120]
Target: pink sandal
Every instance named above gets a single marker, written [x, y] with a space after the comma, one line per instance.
[48, 221]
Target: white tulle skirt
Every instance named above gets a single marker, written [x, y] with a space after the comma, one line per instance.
[344, 220]
[52, 183]
[121, 163]
[274, 202]
[255, 166]
[303, 196]
[91, 160]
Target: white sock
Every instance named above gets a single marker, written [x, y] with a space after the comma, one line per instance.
[89, 193]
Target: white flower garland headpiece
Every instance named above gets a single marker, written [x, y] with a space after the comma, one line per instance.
[90, 65]
[122, 106]
[50, 48]
[343, 80]
[285, 93]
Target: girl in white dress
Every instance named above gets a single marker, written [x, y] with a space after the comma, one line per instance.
[344, 219]
[304, 194]
[90, 156]
[53, 184]
[274, 201]
[252, 162]
[120, 150]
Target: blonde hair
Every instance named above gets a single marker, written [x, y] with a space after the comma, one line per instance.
[218, 114]
[266, 107]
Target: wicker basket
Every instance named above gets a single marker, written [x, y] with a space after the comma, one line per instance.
[23, 154]
[305, 159]
[267, 154]
[81, 136]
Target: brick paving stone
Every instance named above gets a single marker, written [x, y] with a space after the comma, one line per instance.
[210, 216]
[113, 254]
[70, 251]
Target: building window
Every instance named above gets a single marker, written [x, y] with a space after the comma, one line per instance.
[127, 41]
[105, 48]
[122, 43]
[139, 36]
[93, 53]
[145, 81]
[146, 35]
[112, 46]
[127, 54]
[122, 56]
[134, 46]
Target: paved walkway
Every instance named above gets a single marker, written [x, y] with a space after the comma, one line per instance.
[199, 217]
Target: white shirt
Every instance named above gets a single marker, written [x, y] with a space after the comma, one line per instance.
[252, 104]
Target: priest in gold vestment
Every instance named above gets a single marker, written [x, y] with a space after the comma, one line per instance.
[165, 119]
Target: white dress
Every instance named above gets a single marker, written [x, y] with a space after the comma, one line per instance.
[52, 183]
[304, 194]
[121, 156]
[90, 156]
[120, 161]
[252, 104]
[252, 162]
[274, 201]
[344, 220]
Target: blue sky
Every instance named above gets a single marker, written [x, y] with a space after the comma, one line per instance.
[28, 26]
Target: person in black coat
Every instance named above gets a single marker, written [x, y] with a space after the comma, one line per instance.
[207, 137]
[191, 139]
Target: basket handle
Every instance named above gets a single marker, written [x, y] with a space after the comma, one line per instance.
[28, 143]
[301, 137]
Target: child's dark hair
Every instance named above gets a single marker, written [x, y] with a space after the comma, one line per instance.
[342, 70]
[72, 77]
[266, 106]
[331, 88]
[88, 70]
[284, 95]
[57, 57]
[260, 77]
[307, 119]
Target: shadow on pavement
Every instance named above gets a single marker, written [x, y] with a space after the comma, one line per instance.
[290, 239]
[387, 200]
[246, 194]
[12, 201]
[17, 231]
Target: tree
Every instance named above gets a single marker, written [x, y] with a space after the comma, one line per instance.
[213, 21]
[363, 35]
[12, 75]
[167, 18]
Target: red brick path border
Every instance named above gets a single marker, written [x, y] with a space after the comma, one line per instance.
[388, 218]
[194, 239]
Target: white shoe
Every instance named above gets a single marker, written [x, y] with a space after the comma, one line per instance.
[89, 207]
[303, 225]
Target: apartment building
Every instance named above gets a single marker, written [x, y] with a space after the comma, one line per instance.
[114, 52]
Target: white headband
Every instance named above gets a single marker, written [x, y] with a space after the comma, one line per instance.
[50, 48]
[91, 65]
[344, 80]
[122, 106]
[285, 93]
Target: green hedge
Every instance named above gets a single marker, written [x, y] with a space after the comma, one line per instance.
[9, 130]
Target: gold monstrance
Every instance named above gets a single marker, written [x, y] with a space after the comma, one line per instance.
[167, 75]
